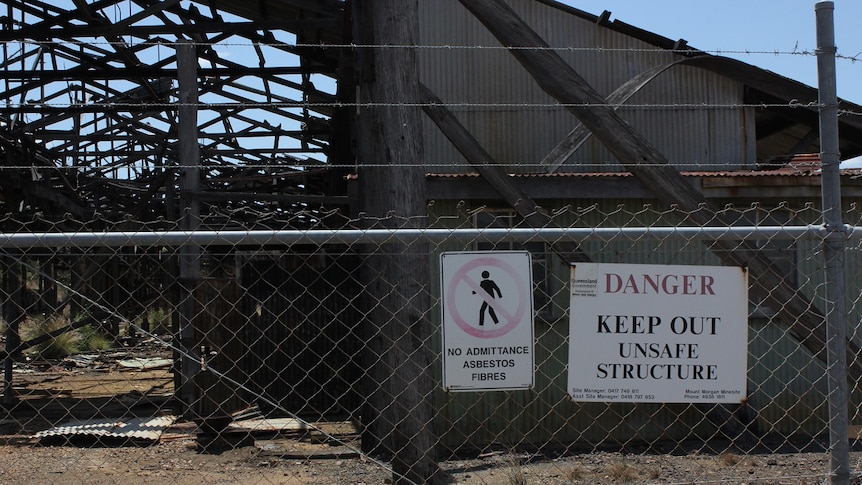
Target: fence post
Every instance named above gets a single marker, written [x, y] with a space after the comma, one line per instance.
[833, 246]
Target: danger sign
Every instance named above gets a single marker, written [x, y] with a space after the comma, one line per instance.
[487, 304]
[658, 333]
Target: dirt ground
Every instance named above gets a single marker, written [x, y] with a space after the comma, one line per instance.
[179, 462]
[284, 452]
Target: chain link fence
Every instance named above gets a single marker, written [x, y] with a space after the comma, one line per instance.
[314, 356]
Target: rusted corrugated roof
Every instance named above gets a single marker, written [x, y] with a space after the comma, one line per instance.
[784, 171]
[803, 165]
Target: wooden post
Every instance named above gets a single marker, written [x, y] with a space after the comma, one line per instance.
[187, 63]
[399, 410]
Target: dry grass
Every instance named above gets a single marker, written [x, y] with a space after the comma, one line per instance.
[621, 471]
[514, 472]
[95, 340]
[63, 345]
[159, 320]
[729, 459]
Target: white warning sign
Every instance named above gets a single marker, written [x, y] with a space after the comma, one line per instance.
[487, 304]
[658, 333]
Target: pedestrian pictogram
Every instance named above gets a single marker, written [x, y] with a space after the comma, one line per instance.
[470, 296]
[493, 291]
[487, 304]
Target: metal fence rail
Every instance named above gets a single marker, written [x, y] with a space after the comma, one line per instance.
[275, 365]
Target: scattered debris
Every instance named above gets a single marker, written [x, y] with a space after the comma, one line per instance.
[269, 424]
[138, 398]
[292, 424]
[145, 364]
[80, 361]
[292, 449]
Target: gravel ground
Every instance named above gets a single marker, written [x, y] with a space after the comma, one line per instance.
[178, 461]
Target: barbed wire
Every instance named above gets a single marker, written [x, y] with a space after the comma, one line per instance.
[446, 167]
[35, 106]
[367, 105]
[687, 51]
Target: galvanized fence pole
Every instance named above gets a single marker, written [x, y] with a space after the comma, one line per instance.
[833, 246]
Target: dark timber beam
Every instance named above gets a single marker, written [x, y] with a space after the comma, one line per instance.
[493, 173]
[580, 134]
[803, 320]
[146, 31]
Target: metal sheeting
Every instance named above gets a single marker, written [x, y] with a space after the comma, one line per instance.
[149, 428]
[786, 386]
[518, 124]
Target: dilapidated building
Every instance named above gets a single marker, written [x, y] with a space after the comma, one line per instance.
[93, 137]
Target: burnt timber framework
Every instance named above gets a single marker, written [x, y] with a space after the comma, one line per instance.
[94, 135]
[89, 120]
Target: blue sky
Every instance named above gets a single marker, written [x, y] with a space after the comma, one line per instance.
[740, 26]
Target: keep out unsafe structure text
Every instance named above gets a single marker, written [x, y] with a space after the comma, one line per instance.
[658, 333]
[487, 305]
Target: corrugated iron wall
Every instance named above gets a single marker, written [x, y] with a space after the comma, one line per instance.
[787, 390]
[522, 123]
